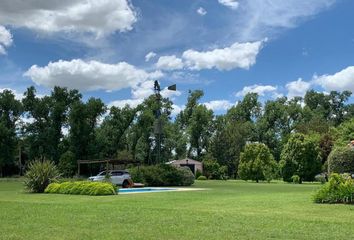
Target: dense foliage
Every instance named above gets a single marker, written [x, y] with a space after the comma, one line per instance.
[64, 128]
[213, 170]
[339, 189]
[257, 163]
[40, 174]
[162, 175]
[82, 188]
[341, 160]
[67, 164]
[301, 157]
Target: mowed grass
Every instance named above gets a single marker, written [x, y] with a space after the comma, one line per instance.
[228, 210]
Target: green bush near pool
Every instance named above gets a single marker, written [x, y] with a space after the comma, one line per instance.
[339, 189]
[82, 188]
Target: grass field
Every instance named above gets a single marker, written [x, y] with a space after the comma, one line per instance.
[228, 210]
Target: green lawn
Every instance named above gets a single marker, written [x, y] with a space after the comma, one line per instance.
[228, 210]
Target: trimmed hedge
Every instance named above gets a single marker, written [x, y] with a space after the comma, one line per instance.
[82, 188]
[202, 178]
[162, 175]
[341, 160]
[339, 189]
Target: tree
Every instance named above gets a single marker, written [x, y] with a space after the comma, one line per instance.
[112, 132]
[345, 133]
[227, 142]
[143, 139]
[83, 119]
[67, 164]
[247, 110]
[257, 163]
[50, 115]
[199, 129]
[10, 112]
[300, 156]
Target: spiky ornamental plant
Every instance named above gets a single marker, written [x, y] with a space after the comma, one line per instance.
[40, 174]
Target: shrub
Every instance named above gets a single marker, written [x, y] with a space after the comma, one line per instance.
[198, 174]
[40, 174]
[300, 156]
[162, 175]
[339, 189]
[187, 176]
[82, 188]
[67, 164]
[341, 160]
[296, 179]
[202, 177]
[213, 170]
[257, 163]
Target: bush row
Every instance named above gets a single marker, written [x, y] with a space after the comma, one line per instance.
[82, 188]
[162, 175]
[339, 189]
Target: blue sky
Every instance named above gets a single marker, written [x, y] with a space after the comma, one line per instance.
[115, 49]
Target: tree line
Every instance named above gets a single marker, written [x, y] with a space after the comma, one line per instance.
[63, 128]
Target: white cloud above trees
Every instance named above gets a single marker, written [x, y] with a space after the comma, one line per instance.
[238, 55]
[218, 105]
[261, 90]
[297, 88]
[88, 75]
[340, 81]
[5, 39]
[169, 63]
[98, 17]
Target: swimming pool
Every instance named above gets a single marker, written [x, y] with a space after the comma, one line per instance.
[144, 190]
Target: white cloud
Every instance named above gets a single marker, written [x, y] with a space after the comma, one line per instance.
[149, 56]
[122, 103]
[263, 18]
[261, 90]
[238, 55]
[340, 81]
[233, 4]
[88, 75]
[98, 17]
[176, 109]
[169, 63]
[297, 88]
[216, 105]
[5, 39]
[201, 11]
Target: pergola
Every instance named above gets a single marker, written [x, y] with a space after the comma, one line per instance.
[113, 162]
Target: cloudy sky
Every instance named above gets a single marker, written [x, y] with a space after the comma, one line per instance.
[115, 49]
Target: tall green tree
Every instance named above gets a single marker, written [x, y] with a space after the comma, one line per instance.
[10, 112]
[83, 120]
[300, 156]
[112, 132]
[257, 163]
[200, 130]
[48, 116]
[228, 141]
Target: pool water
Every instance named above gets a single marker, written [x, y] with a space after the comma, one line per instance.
[144, 190]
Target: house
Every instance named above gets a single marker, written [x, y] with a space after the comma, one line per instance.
[192, 164]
